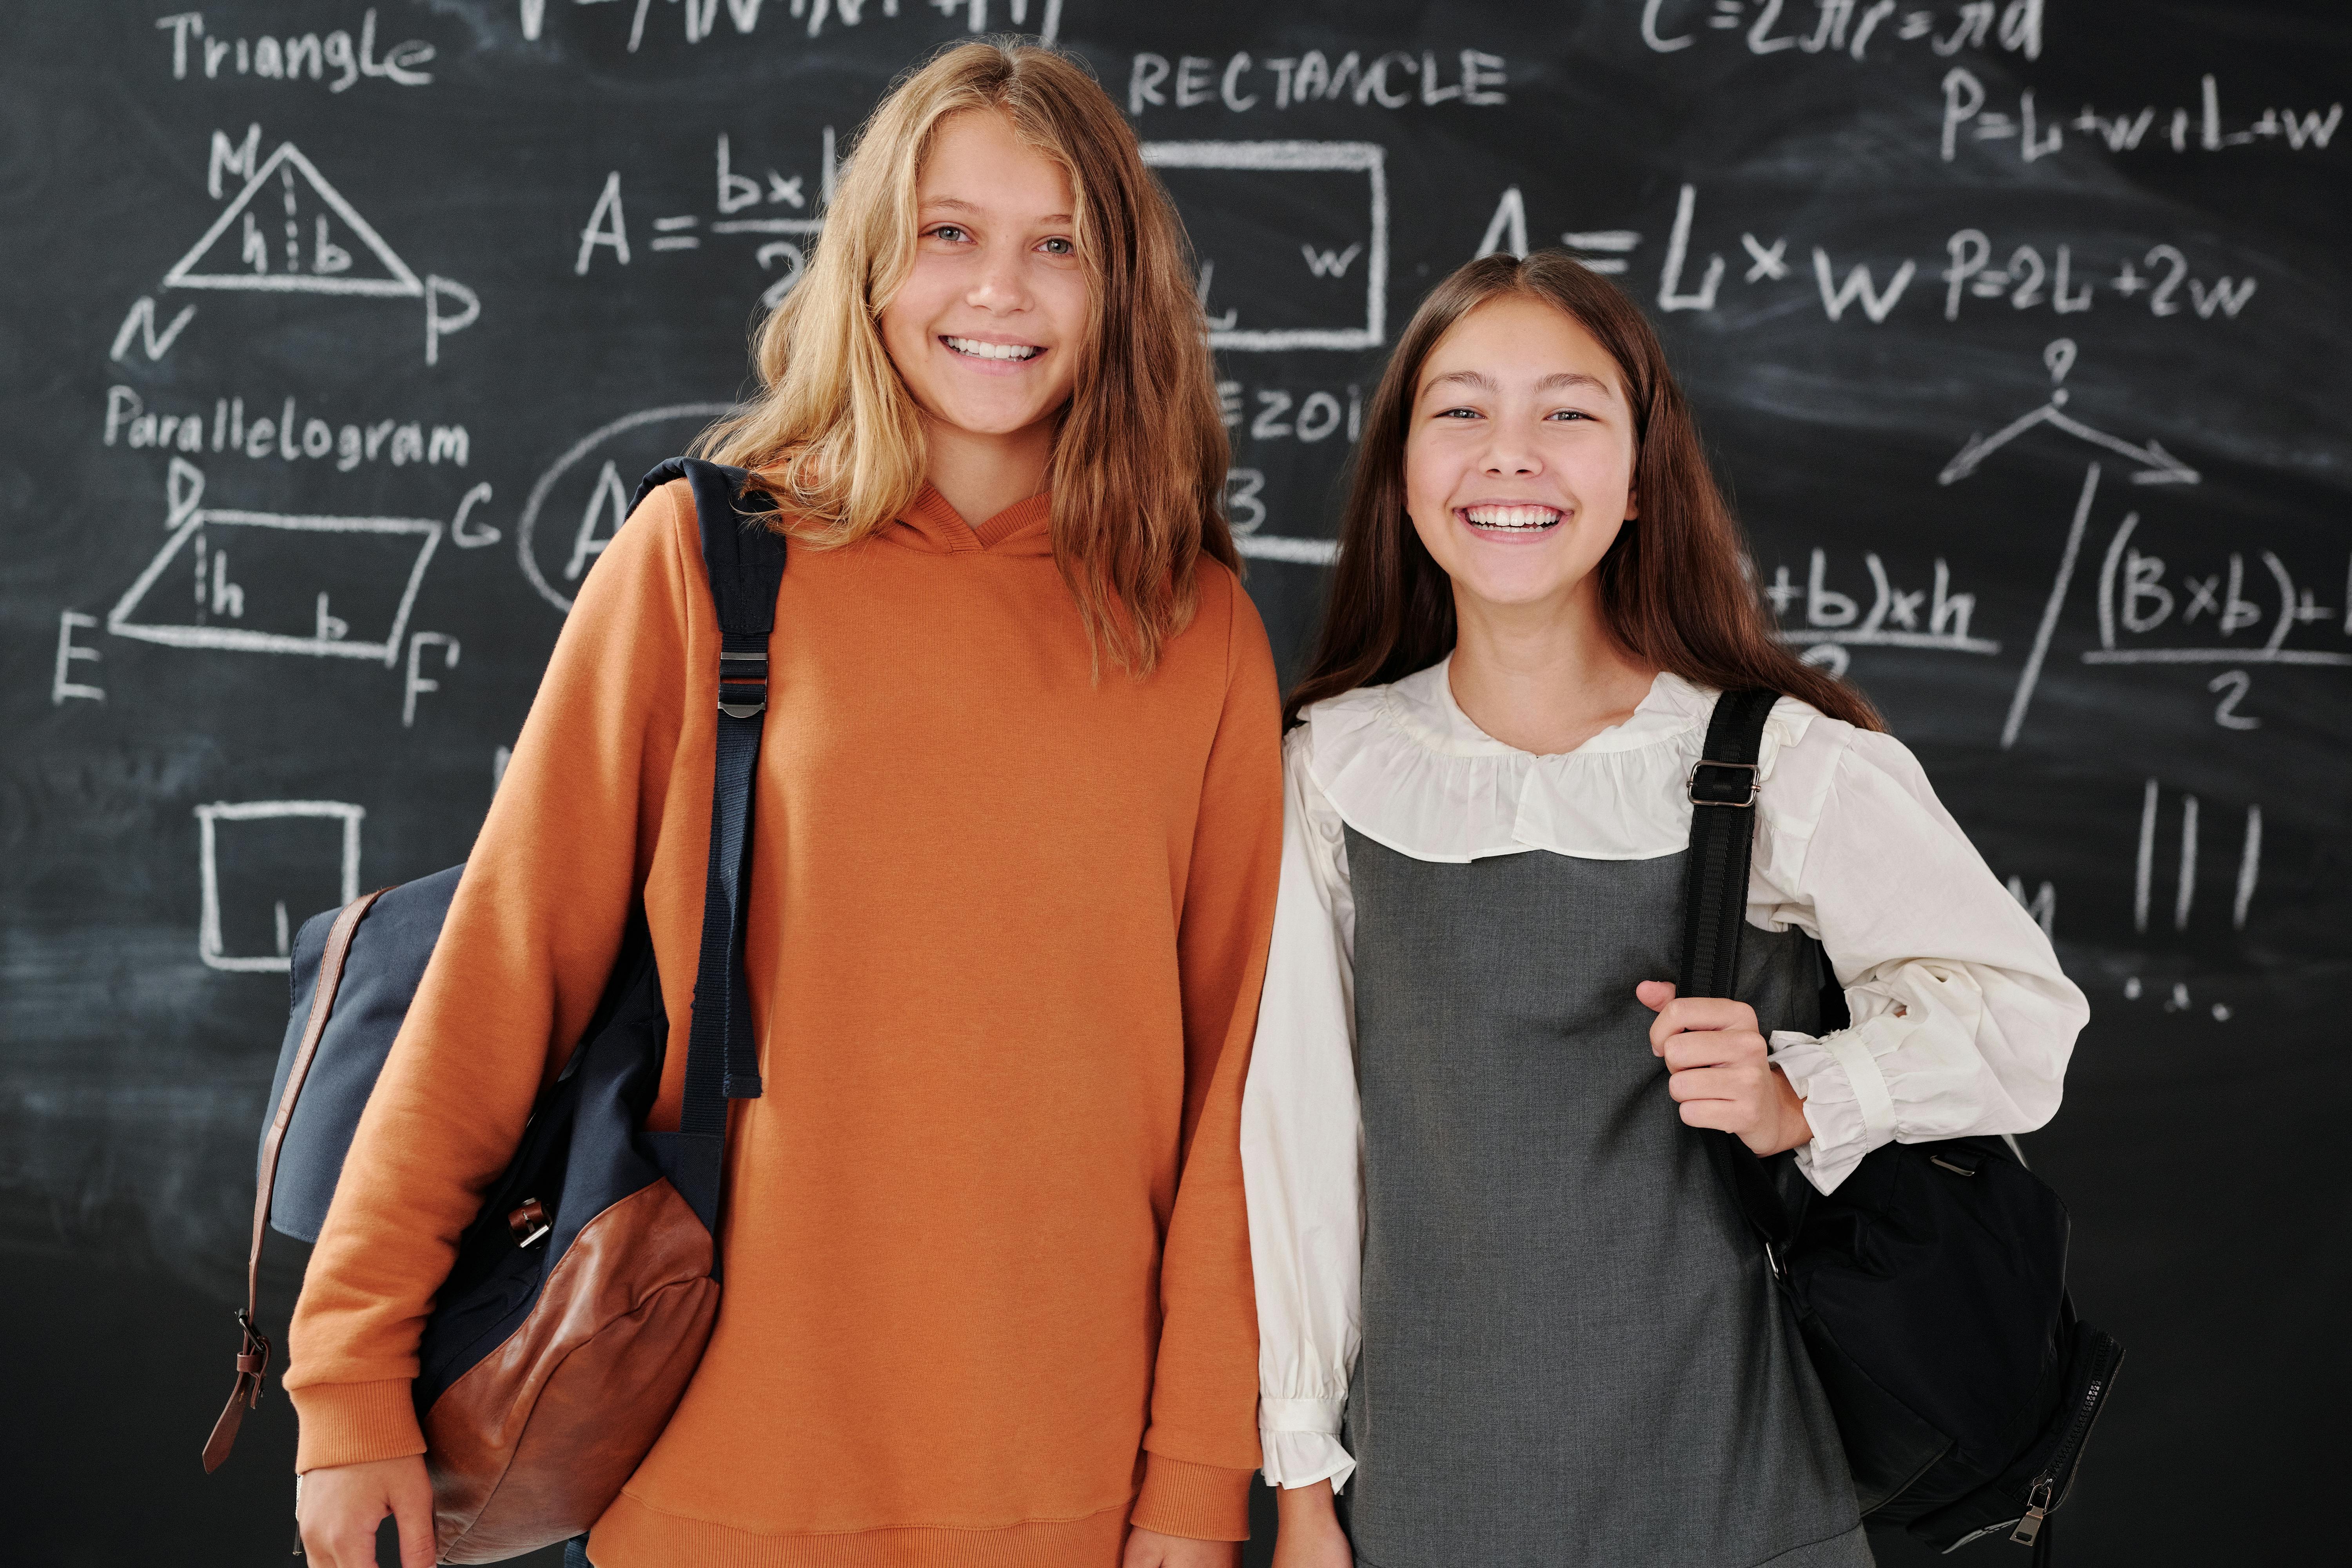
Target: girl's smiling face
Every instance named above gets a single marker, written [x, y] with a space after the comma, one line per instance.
[987, 328]
[1518, 460]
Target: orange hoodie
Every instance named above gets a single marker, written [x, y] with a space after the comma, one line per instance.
[988, 1287]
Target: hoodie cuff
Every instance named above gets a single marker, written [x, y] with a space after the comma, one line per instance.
[1199, 1503]
[353, 1423]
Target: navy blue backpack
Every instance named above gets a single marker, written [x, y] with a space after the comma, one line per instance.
[583, 1293]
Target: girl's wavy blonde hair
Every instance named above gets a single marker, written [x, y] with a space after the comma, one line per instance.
[1139, 466]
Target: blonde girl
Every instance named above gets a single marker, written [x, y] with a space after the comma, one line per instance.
[987, 1285]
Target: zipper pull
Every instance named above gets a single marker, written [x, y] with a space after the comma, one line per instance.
[2037, 1508]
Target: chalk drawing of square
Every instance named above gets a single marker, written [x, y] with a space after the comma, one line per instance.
[200, 543]
[210, 822]
[1367, 158]
[268, 252]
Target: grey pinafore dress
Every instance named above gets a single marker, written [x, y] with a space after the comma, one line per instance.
[1572, 1354]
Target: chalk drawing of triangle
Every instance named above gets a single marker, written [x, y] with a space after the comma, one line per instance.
[308, 240]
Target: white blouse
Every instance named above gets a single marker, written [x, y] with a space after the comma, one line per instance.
[1962, 1022]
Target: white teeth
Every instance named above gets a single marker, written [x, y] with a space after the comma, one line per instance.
[1527, 516]
[979, 350]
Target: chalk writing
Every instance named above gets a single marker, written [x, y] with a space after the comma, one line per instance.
[699, 18]
[604, 505]
[63, 688]
[2184, 886]
[2141, 593]
[2039, 135]
[1930, 617]
[1848, 27]
[1392, 79]
[335, 57]
[762, 208]
[289, 437]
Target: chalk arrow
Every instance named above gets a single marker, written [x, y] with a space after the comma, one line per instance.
[2167, 470]
[2156, 466]
[1965, 461]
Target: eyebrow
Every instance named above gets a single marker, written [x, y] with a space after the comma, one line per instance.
[1485, 383]
[960, 206]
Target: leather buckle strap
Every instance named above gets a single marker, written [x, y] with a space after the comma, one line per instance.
[1713, 783]
[253, 1349]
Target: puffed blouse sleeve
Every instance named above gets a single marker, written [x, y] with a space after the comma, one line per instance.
[1302, 1148]
[1962, 1021]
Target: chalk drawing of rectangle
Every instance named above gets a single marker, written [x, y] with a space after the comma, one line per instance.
[1368, 157]
[208, 817]
[386, 652]
[1280, 547]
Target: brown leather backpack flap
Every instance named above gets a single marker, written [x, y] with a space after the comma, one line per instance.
[534, 1441]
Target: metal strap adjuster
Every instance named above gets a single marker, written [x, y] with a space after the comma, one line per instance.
[1722, 791]
[744, 695]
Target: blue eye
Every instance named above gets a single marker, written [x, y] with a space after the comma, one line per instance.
[946, 231]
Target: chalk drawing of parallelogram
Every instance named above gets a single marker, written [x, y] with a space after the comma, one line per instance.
[292, 244]
[1290, 270]
[205, 542]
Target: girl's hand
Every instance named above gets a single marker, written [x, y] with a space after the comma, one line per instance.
[1309, 1535]
[1720, 1076]
[339, 1508]
[1149, 1549]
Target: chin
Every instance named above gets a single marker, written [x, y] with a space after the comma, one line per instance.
[1512, 588]
[991, 421]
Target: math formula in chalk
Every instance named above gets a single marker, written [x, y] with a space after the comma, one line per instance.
[757, 212]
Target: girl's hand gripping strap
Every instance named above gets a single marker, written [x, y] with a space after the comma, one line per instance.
[745, 560]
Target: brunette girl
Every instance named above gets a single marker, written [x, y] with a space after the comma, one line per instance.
[1505, 1310]
[987, 1287]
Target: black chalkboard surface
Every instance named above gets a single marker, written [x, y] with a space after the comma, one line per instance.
[337, 332]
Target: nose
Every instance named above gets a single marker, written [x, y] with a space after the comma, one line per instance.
[999, 287]
[1510, 451]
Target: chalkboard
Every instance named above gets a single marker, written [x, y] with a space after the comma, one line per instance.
[338, 332]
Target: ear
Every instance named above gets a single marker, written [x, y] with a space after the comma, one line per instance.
[1632, 505]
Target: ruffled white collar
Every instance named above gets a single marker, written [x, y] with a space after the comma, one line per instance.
[1404, 766]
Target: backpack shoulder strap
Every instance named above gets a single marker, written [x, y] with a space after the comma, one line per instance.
[745, 561]
[1723, 792]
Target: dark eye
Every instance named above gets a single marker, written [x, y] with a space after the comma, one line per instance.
[1058, 245]
[1457, 414]
[1568, 413]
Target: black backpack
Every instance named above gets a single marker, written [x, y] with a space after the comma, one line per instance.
[516, 1468]
[1930, 1287]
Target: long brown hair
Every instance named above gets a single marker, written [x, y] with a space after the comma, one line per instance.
[1676, 588]
[1139, 467]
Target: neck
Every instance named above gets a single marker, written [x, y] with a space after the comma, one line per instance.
[1544, 677]
[982, 474]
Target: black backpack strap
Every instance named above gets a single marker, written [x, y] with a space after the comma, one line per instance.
[1723, 789]
[745, 560]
